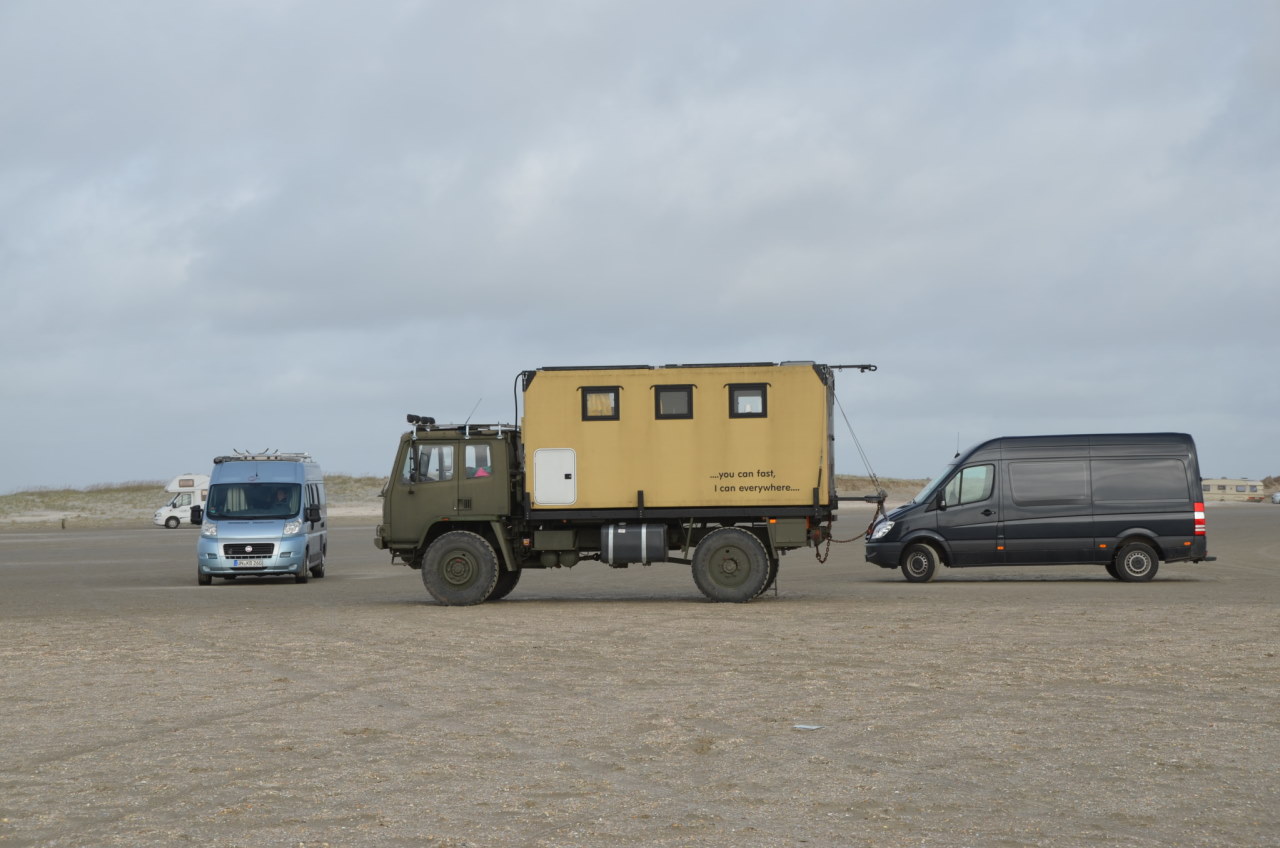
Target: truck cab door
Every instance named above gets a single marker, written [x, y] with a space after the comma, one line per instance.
[424, 491]
[969, 516]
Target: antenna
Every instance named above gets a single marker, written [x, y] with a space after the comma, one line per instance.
[471, 413]
[957, 443]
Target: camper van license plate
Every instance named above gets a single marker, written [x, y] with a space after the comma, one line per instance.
[246, 563]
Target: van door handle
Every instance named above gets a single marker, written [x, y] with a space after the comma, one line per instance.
[988, 512]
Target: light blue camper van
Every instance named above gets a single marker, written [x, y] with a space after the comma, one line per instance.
[265, 516]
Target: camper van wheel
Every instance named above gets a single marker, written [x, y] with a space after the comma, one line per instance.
[919, 563]
[460, 569]
[1136, 562]
[303, 574]
[730, 565]
[172, 522]
[204, 579]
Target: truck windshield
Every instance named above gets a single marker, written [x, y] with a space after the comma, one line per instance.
[253, 500]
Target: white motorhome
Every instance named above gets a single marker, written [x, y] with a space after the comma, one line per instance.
[188, 490]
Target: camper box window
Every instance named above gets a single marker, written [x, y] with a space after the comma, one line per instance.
[748, 400]
[672, 402]
[600, 403]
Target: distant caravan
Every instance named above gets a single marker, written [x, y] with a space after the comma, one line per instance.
[1123, 501]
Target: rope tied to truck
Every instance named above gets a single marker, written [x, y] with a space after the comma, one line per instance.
[820, 551]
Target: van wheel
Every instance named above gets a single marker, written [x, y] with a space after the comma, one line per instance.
[172, 522]
[730, 565]
[302, 575]
[204, 579]
[507, 581]
[919, 563]
[1136, 562]
[1111, 569]
[460, 569]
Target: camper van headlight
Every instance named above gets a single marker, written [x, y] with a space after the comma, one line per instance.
[292, 528]
[882, 529]
[209, 530]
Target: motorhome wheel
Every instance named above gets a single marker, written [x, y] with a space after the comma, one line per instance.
[460, 569]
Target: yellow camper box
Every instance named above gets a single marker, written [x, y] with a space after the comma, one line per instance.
[735, 436]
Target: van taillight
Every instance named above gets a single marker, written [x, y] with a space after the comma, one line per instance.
[1199, 519]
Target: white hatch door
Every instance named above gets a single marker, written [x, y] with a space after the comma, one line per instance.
[555, 477]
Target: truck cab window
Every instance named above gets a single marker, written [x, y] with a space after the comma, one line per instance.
[478, 461]
[971, 485]
[430, 463]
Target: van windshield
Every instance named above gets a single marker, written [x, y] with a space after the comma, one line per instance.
[253, 500]
[927, 491]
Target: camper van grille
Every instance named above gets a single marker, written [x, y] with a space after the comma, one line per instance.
[249, 551]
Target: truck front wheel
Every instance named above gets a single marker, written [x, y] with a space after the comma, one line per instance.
[731, 565]
[460, 569]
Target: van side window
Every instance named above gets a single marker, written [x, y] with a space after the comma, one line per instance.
[1139, 480]
[1062, 482]
[748, 400]
[600, 403]
[971, 485]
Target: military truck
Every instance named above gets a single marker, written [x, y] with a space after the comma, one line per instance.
[723, 468]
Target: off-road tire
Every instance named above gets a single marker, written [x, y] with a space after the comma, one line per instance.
[460, 569]
[507, 581]
[731, 565]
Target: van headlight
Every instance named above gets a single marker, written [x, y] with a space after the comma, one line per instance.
[209, 530]
[882, 529]
[292, 528]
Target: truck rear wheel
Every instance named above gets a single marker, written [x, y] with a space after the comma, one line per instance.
[731, 565]
[460, 569]
[507, 581]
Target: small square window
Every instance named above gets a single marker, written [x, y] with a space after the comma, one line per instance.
[672, 402]
[600, 403]
[748, 400]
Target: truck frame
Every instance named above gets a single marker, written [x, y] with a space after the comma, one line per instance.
[723, 468]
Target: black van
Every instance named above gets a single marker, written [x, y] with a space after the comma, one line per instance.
[1124, 501]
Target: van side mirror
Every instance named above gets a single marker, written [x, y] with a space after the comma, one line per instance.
[942, 504]
[197, 515]
[312, 514]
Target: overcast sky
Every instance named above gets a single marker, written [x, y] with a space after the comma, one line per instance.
[271, 224]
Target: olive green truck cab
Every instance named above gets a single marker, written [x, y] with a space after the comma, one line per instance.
[723, 468]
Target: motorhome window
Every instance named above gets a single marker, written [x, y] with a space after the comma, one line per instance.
[672, 402]
[748, 400]
[431, 463]
[600, 403]
[478, 461]
[971, 485]
[254, 500]
[183, 499]
[1052, 483]
[1139, 480]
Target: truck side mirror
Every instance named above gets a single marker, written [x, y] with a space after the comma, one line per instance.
[197, 515]
[312, 514]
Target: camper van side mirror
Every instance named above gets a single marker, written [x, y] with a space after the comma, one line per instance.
[312, 514]
[197, 515]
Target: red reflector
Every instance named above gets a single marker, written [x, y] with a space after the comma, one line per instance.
[1199, 519]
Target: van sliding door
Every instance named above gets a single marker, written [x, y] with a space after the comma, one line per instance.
[1048, 515]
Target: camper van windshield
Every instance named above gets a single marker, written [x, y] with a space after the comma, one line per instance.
[254, 500]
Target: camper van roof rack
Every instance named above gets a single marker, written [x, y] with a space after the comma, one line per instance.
[262, 456]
